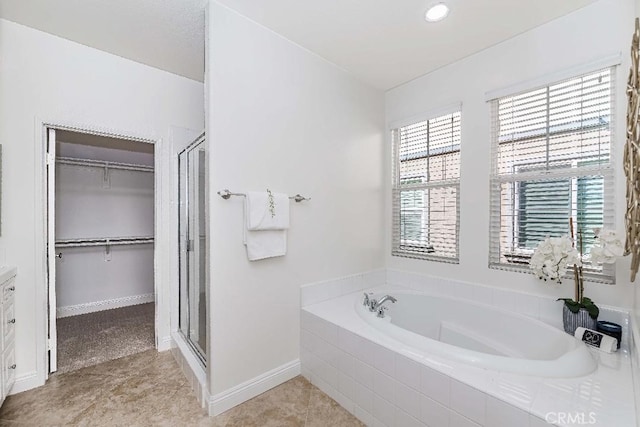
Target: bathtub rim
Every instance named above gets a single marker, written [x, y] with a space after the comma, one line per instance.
[575, 363]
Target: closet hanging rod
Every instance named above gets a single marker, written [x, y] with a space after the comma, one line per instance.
[225, 194]
[104, 164]
[111, 241]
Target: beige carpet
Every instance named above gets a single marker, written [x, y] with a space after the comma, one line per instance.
[90, 339]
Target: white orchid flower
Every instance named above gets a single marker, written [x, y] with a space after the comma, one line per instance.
[607, 248]
[552, 257]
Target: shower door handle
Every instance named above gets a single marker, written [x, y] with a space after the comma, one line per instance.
[59, 255]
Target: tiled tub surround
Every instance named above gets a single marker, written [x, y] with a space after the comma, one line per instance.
[387, 383]
[313, 293]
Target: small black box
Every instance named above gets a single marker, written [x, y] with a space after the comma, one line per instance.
[612, 329]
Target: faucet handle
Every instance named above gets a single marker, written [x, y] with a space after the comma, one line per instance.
[381, 311]
[365, 300]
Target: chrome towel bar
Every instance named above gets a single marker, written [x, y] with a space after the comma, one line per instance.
[225, 194]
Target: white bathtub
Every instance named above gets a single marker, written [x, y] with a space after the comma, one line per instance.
[457, 362]
[480, 335]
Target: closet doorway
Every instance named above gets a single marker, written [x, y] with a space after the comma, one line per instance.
[100, 248]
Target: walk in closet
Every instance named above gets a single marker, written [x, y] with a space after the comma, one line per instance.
[104, 248]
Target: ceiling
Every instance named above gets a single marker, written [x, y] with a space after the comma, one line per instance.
[165, 34]
[382, 42]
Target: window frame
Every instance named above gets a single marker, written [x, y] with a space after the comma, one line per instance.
[573, 173]
[409, 248]
[422, 211]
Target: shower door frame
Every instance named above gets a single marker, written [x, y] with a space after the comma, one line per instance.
[185, 273]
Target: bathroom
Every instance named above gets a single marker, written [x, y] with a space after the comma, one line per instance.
[278, 115]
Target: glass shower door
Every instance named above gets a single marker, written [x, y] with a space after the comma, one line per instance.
[193, 247]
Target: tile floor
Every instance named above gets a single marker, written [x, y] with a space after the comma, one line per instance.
[148, 389]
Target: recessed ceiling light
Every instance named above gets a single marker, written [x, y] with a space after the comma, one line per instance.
[437, 12]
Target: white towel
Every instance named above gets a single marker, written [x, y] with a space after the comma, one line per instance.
[264, 215]
[266, 241]
[266, 244]
[597, 339]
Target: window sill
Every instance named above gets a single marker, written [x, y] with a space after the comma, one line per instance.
[424, 256]
[589, 276]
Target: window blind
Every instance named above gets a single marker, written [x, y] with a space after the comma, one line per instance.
[426, 183]
[551, 151]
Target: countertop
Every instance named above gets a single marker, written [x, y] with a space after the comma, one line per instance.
[7, 272]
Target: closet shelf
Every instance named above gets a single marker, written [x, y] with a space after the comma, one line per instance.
[106, 241]
[103, 164]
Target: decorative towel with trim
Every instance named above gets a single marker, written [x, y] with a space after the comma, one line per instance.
[266, 224]
[267, 211]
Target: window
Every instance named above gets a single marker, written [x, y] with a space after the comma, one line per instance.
[412, 206]
[426, 184]
[551, 151]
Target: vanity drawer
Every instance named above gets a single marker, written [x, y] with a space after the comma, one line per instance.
[9, 360]
[9, 289]
[9, 318]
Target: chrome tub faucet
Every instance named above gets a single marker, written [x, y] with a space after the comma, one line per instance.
[384, 299]
[375, 305]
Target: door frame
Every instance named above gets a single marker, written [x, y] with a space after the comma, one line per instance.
[41, 237]
[52, 296]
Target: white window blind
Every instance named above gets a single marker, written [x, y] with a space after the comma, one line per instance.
[426, 184]
[551, 161]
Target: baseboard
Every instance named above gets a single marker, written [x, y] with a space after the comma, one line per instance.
[206, 397]
[165, 343]
[90, 307]
[26, 382]
[226, 400]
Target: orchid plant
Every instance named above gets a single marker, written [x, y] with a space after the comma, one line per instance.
[552, 258]
[554, 255]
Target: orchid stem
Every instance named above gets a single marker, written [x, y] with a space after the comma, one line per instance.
[576, 278]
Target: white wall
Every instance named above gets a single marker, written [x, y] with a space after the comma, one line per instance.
[596, 31]
[72, 149]
[86, 207]
[284, 119]
[43, 77]
[88, 278]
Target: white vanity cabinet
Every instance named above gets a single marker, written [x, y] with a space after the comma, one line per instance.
[7, 330]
